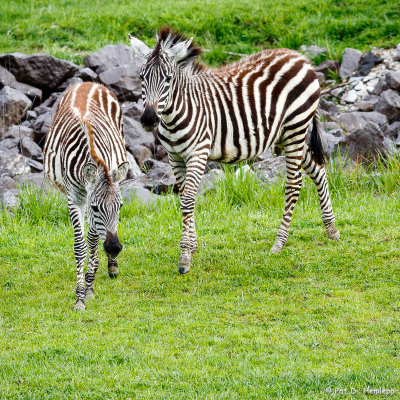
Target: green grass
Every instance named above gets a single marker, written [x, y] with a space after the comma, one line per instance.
[243, 324]
[71, 29]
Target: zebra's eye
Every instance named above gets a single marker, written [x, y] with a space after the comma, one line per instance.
[141, 75]
[95, 208]
[168, 78]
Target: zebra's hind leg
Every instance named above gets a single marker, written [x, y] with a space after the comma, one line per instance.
[318, 175]
[77, 214]
[293, 183]
[93, 263]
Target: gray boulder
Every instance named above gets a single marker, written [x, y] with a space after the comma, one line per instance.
[321, 78]
[136, 190]
[160, 175]
[313, 51]
[209, 180]
[327, 66]
[161, 154]
[368, 103]
[271, 169]
[393, 79]
[328, 107]
[30, 149]
[394, 130]
[350, 61]
[34, 165]
[10, 199]
[12, 163]
[135, 135]
[70, 82]
[389, 104]
[87, 75]
[39, 70]
[8, 79]
[140, 153]
[37, 180]
[7, 183]
[14, 106]
[380, 86]
[124, 81]
[134, 170]
[41, 126]
[366, 144]
[357, 120]
[109, 57]
[132, 109]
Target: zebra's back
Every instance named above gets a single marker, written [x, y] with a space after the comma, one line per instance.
[243, 107]
[67, 147]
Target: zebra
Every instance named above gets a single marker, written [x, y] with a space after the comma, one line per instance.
[85, 158]
[230, 114]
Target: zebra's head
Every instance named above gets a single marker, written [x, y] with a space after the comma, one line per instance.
[105, 202]
[172, 53]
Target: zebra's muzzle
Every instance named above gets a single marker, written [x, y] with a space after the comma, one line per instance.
[112, 245]
[149, 119]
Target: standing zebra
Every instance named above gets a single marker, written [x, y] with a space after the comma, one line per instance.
[230, 114]
[85, 158]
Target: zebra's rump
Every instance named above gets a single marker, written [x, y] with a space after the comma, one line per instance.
[67, 147]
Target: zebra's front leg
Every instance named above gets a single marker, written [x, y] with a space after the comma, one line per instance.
[93, 263]
[77, 217]
[194, 172]
[112, 267]
[292, 190]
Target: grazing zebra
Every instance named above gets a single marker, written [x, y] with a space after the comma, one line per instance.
[85, 158]
[230, 114]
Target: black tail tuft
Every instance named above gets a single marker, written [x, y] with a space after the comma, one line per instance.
[316, 147]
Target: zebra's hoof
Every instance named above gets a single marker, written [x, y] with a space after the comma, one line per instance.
[79, 306]
[89, 294]
[276, 249]
[185, 261]
[333, 234]
[113, 274]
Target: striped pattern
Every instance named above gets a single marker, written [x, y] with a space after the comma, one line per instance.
[231, 114]
[85, 158]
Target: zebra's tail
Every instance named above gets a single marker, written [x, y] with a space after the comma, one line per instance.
[317, 149]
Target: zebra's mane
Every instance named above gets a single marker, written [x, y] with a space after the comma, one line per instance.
[168, 38]
[98, 160]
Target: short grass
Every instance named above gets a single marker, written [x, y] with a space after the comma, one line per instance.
[70, 29]
[243, 324]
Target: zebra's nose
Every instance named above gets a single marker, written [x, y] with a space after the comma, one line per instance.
[149, 119]
[112, 245]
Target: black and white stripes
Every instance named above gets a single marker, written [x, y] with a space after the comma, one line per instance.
[85, 158]
[231, 114]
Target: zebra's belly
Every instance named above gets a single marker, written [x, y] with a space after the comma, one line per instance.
[246, 146]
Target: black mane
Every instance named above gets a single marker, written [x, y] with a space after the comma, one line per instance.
[167, 38]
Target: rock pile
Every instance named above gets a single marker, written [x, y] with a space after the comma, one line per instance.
[362, 114]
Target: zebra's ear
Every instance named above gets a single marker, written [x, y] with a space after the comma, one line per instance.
[139, 48]
[179, 51]
[119, 174]
[90, 172]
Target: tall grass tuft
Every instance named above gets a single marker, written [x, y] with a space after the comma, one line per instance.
[36, 207]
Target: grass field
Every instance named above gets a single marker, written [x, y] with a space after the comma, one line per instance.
[243, 324]
[71, 29]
